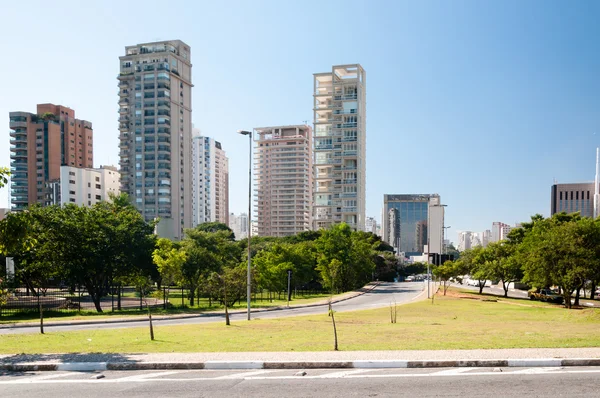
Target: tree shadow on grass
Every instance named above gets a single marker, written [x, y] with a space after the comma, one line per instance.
[66, 358]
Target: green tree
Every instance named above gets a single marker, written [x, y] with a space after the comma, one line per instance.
[502, 264]
[445, 272]
[169, 258]
[4, 174]
[344, 258]
[215, 227]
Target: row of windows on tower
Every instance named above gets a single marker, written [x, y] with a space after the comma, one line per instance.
[574, 195]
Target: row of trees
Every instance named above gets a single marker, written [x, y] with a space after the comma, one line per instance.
[562, 250]
[110, 244]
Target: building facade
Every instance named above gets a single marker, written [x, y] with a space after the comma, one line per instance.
[340, 147]
[40, 144]
[155, 107]
[371, 225]
[210, 181]
[413, 223]
[239, 225]
[571, 198]
[85, 186]
[465, 239]
[283, 172]
[500, 231]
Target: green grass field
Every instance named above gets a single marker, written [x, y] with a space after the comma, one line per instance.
[450, 323]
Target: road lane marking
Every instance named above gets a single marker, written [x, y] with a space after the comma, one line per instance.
[341, 375]
[452, 372]
[48, 377]
[243, 375]
[142, 376]
[251, 378]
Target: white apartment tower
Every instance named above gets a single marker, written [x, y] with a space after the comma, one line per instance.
[284, 179]
[210, 181]
[155, 109]
[340, 147]
[84, 186]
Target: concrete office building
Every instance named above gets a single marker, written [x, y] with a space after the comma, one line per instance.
[210, 181]
[283, 170]
[340, 147]
[40, 143]
[573, 197]
[155, 107]
[84, 186]
[413, 224]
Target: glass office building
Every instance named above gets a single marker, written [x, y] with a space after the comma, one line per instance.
[405, 222]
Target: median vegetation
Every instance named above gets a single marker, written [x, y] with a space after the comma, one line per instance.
[561, 251]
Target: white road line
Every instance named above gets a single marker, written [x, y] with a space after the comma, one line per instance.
[142, 376]
[243, 375]
[349, 376]
[339, 375]
[452, 372]
[33, 379]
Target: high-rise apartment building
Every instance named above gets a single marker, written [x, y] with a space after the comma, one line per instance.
[573, 197]
[371, 225]
[413, 222]
[155, 108]
[500, 231]
[283, 170]
[40, 144]
[340, 146]
[210, 181]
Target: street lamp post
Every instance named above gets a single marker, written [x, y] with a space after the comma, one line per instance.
[249, 287]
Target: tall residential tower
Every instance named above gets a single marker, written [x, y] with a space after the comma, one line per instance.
[340, 146]
[284, 178]
[40, 144]
[155, 107]
[210, 181]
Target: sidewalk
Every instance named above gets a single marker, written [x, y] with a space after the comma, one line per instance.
[554, 357]
[139, 318]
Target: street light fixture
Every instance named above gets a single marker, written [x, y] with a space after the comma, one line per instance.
[249, 287]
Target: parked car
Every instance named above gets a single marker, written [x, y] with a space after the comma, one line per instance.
[546, 295]
[475, 282]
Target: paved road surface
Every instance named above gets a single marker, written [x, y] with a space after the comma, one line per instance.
[454, 382]
[381, 296]
[522, 294]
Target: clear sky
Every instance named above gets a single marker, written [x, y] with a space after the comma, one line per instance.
[483, 102]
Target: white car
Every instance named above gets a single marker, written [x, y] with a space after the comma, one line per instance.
[475, 282]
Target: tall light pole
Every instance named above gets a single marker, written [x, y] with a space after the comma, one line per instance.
[249, 290]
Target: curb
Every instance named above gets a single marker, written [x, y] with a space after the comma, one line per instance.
[247, 365]
[360, 292]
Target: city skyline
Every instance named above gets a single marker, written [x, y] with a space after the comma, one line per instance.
[498, 102]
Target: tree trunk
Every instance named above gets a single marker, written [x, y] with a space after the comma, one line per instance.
[481, 285]
[577, 296]
[505, 287]
[593, 290]
[335, 339]
[150, 322]
[226, 311]
[119, 288]
[192, 291]
[96, 299]
[41, 316]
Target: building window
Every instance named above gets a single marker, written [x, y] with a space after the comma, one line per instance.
[588, 195]
[89, 195]
[561, 195]
[71, 173]
[71, 181]
[98, 197]
[571, 195]
[97, 179]
[72, 200]
[577, 195]
[71, 192]
[98, 186]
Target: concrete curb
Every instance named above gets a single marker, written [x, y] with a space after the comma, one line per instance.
[159, 318]
[247, 365]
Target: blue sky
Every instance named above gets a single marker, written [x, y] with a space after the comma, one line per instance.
[482, 102]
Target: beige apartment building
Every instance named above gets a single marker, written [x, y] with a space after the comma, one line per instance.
[284, 179]
[155, 108]
[40, 144]
[340, 147]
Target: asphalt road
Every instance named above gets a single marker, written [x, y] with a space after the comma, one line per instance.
[451, 382]
[381, 296]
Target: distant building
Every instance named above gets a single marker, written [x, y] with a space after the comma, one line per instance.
[500, 231]
[40, 144]
[371, 225]
[464, 240]
[573, 197]
[284, 179]
[210, 181]
[413, 222]
[239, 225]
[84, 186]
[486, 237]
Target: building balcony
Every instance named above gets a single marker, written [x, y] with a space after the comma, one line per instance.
[17, 124]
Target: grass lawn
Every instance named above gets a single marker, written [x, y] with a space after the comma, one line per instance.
[201, 306]
[450, 323]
